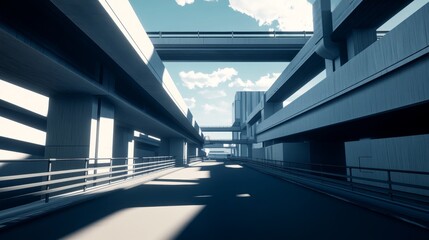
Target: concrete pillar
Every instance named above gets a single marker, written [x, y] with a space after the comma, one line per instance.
[322, 21]
[79, 126]
[359, 39]
[176, 147]
[328, 153]
[249, 150]
[69, 126]
[192, 149]
[270, 108]
[123, 147]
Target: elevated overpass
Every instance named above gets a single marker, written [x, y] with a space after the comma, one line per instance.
[350, 97]
[242, 46]
[220, 128]
[228, 141]
[101, 73]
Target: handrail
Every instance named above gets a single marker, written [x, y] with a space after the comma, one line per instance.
[92, 173]
[44, 174]
[339, 166]
[230, 34]
[384, 184]
[78, 159]
[237, 34]
[72, 186]
[193, 159]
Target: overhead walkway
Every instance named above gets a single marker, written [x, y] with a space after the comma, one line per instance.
[215, 200]
[229, 141]
[220, 128]
[228, 46]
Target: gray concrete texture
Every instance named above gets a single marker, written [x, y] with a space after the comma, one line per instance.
[214, 200]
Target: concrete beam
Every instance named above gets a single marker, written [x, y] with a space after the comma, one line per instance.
[191, 47]
[374, 82]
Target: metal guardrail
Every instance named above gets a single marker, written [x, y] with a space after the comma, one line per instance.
[96, 172]
[386, 183]
[231, 34]
[237, 34]
[193, 159]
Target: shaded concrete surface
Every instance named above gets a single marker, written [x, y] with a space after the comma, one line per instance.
[215, 200]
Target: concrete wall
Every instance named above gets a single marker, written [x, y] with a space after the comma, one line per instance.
[400, 153]
[374, 81]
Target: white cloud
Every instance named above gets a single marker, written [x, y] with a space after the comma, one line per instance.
[266, 81]
[238, 82]
[190, 102]
[262, 84]
[193, 79]
[212, 94]
[211, 0]
[184, 2]
[290, 15]
[222, 108]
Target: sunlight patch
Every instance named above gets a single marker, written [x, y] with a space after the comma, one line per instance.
[165, 222]
[21, 132]
[170, 183]
[11, 155]
[233, 166]
[243, 195]
[24, 98]
[204, 196]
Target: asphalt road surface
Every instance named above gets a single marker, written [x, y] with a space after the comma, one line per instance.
[215, 200]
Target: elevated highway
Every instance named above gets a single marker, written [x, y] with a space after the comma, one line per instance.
[366, 97]
[220, 128]
[47, 62]
[229, 141]
[228, 46]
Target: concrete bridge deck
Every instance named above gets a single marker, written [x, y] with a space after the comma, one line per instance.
[215, 200]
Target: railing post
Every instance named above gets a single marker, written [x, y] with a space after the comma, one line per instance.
[110, 170]
[351, 176]
[49, 178]
[86, 173]
[389, 179]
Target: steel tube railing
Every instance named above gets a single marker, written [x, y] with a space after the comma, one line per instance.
[231, 34]
[238, 34]
[344, 176]
[106, 173]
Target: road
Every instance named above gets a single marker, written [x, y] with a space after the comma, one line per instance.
[215, 200]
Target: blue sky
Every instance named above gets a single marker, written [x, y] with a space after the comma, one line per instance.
[209, 88]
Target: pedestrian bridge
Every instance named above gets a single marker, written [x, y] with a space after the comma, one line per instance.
[243, 46]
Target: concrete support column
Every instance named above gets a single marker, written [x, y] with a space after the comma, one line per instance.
[328, 153]
[70, 126]
[270, 108]
[249, 150]
[193, 150]
[79, 126]
[322, 21]
[359, 39]
[123, 147]
[176, 147]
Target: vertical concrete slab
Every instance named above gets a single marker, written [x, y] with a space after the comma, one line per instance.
[359, 40]
[123, 148]
[69, 131]
[79, 126]
[176, 147]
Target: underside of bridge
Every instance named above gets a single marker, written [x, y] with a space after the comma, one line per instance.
[119, 154]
